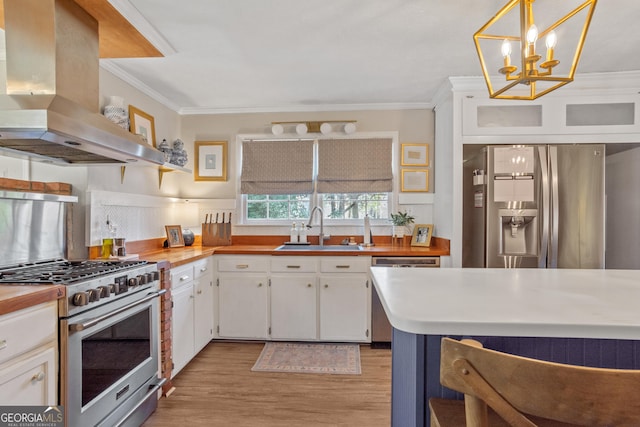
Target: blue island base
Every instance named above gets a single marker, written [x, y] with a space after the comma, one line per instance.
[416, 365]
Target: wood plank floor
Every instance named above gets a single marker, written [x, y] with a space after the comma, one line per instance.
[218, 389]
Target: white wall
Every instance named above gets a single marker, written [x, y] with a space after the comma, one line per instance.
[414, 126]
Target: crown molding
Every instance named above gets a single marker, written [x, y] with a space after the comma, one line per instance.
[110, 66]
[619, 80]
[308, 108]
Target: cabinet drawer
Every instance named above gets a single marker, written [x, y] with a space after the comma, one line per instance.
[294, 264]
[248, 263]
[181, 275]
[350, 264]
[202, 267]
[32, 380]
[27, 329]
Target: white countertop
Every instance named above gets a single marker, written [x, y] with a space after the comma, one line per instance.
[511, 302]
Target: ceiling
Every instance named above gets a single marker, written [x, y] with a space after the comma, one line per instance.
[290, 55]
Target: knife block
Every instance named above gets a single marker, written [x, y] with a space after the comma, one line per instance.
[216, 234]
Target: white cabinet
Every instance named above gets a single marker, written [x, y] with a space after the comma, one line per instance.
[182, 327]
[203, 313]
[204, 303]
[302, 298]
[193, 310]
[294, 307]
[28, 362]
[243, 296]
[294, 300]
[345, 299]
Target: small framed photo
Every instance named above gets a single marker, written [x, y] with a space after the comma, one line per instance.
[415, 180]
[415, 155]
[174, 236]
[422, 235]
[142, 124]
[211, 160]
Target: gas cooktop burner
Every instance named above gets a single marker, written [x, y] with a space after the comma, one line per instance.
[62, 272]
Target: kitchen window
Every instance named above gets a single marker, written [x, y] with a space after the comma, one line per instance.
[348, 178]
[277, 206]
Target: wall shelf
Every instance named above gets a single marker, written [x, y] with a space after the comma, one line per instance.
[162, 169]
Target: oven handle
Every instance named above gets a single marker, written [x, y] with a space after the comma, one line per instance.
[77, 327]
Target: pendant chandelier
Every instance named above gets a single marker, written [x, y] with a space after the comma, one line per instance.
[514, 64]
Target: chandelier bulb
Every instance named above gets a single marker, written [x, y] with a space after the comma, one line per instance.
[552, 40]
[532, 34]
[506, 48]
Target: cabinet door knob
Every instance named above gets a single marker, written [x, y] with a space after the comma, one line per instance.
[38, 377]
[259, 285]
[309, 285]
[199, 291]
[183, 278]
[242, 266]
[326, 286]
[3, 344]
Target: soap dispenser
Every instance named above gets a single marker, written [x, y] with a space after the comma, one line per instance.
[303, 233]
[294, 234]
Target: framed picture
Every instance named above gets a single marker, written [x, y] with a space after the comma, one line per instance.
[142, 124]
[421, 235]
[174, 236]
[211, 160]
[415, 155]
[415, 180]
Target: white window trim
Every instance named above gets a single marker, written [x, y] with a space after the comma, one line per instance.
[241, 200]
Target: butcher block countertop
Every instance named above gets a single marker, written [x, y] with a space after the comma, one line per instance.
[267, 245]
[17, 297]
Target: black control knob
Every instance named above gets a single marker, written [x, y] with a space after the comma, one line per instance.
[93, 295]
[156, 275]
[142, 279]
[79, 299]
[113, 288]
[149, 277]
[105, 292]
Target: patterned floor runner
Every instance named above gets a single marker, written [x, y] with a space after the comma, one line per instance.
[309, 358]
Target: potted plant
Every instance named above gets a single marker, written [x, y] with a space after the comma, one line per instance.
[400, 222]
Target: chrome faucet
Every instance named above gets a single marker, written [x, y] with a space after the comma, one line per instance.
[321, 235]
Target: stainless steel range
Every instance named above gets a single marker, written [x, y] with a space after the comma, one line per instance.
[108, 337]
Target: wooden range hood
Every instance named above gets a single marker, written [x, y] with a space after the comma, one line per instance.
[117, 37]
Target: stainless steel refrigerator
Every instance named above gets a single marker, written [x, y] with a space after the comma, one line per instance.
[534, 206]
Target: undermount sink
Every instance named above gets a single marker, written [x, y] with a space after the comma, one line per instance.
[319, 248]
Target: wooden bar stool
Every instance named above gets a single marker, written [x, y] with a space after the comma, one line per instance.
[506, 390]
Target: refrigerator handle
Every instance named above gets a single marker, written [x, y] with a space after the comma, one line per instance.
[544, 208]
[555, 207]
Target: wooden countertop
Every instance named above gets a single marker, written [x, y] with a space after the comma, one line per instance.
[17, 297]
[185, 255]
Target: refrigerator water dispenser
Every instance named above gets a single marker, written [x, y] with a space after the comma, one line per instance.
[518, 232]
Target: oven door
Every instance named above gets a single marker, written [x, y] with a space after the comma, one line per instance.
[109, 356]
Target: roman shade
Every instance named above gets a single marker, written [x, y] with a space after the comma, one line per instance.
[355, 166]
[277, 167]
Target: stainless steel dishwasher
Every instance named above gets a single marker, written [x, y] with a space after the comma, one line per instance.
[380, 326]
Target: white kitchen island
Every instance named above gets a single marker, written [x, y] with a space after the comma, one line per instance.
[572, 316]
